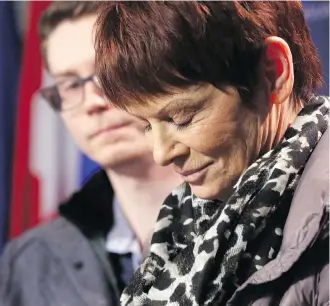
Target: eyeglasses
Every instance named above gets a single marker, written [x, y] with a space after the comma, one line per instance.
[67, 94]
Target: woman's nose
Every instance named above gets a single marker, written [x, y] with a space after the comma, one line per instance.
[164, 145]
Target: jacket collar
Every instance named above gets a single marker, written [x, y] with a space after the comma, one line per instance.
[311, 198]
[90, 209]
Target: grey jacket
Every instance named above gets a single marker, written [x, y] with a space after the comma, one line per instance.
[63, 263]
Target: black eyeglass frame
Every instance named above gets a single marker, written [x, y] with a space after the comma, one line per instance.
[52, 96]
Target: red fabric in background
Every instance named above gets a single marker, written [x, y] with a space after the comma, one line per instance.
[24, 211]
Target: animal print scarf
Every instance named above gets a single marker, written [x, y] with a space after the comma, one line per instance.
[202, 250]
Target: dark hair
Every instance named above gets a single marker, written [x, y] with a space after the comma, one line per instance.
[143, 48]
[59, 11]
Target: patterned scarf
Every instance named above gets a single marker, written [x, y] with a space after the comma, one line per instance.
[202, 250]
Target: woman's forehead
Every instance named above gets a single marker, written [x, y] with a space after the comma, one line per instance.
[178, 99]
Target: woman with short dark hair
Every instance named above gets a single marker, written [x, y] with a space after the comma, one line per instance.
[226, 91]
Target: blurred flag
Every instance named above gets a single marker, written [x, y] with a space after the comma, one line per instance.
[317, 16]
[48, 166]
[9, 74]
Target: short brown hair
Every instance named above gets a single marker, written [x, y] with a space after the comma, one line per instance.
[143, 48]
[59, 11]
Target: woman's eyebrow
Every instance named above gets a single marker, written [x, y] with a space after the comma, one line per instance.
[179, 102]
[175, 105]
[190, 103]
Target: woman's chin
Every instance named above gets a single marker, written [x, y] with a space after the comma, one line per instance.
[209, 192]
[204, 192]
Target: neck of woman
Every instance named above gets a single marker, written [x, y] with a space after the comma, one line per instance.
[277, 122]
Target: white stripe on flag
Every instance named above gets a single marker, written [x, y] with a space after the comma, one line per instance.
[54, 158]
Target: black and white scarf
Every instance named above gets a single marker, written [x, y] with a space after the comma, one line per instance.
[202, 250]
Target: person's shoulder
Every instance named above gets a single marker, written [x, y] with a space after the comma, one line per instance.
[75, 214]
[318, 163]
[313, 186]
[47, 234]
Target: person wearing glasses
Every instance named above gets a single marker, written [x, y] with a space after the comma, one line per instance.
[88, 254]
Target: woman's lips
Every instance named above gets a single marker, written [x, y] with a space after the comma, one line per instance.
[194, 176]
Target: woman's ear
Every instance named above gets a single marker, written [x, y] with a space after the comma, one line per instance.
[278, 69]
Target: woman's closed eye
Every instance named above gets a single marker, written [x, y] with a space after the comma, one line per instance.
[180, 123]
